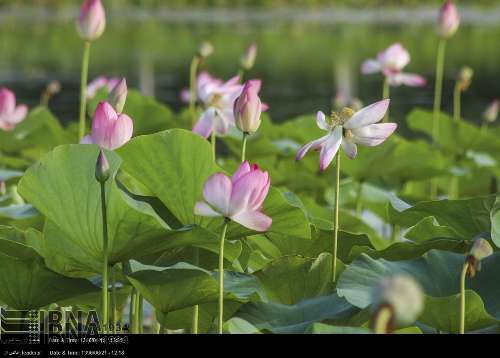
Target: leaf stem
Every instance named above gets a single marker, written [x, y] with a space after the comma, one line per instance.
[196, 309]
[221, 276]
[385, 94]
[213, 140]
[438, 88]
[193, 71]
[83, 88]
[463, 275]
[359, 204]
[105, 258]
[456, 102]
[244, 146]
[382, 320]
[132, 310]
[336, 218]
[113, 301]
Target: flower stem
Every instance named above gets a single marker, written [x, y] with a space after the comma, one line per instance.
[105, 258]
[140, 315]
[382, 320]
[193, 71]
[113, 301]
[359, 204]
[132, 310]
[244, 146]
[196, 309]
[241, 75]
[438, 88]
[385, 94]
[213, 140]
[336, 218]
[83, 88]
[456, 102]
[462, 297]
[221, 276]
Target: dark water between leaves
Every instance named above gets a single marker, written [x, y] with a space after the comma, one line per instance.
[303, 56]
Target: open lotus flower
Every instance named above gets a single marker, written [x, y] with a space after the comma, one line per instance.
[110, 130]
[10, 114]
[348, 129]
[391, 62]
[92, 20]
[238, 198]
[100, 82]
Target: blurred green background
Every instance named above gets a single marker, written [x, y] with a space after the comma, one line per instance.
[307, 49]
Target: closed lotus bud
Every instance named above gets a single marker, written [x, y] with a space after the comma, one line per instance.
[401, 294]
[92, 20]
[491, 112]
[465, 77]
[206, 49]
[118, 95]
[449, 19]
[248, 58]
[480, 249]
[248, 108]
[102, 168]
[53, 87]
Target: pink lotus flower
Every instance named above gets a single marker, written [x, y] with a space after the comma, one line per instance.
[10, 114]
[391, 62]
[100, 82]
[110, 130]
[491, 112]
[349, 129]
[238, 198]
[449, 19]
[248, 108]
[92, 20]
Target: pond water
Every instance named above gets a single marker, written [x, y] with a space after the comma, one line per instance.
[304, 56]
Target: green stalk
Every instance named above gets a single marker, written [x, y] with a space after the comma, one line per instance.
[385, 94]
[140, 316]
[382, 320]
[113, 301]
[359, 204]
[244, 146]
[132, 310]
[462, 297]
[105, 259]
[456, 102]
[241, 74]
[193, 71]
[83, 88]
[221, 276]
[336, 218]
[196, 309]
[213, 140]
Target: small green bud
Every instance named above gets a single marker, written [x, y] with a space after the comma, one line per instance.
[480, 249]
[102, 168]
[206, 49]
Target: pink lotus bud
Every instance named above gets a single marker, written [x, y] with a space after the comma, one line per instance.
[118, 95]
[491, 112]
[92, 20]
[102, 168]
[10, 114]
[110, 130]
[247, 108]
[248, 59]
[449, 19]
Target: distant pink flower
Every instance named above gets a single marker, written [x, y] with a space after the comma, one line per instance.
[238, 198]
[101, 82]
[449, 19]
[110, 130]
[491, 112]
[391, 62]
[248, 59]
[92, 20]
[348, 130]
[10, 114]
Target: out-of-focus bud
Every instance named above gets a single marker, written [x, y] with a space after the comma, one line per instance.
[92, 20]
[3, 188]
[248, 59]
[400, 294]
[53, 87]
[464, 78]
[248, 108]
[480, 250]
[491, 112]
[356, 104]
[118, 95]
[206, 49]
[449, 19]
[102, 168]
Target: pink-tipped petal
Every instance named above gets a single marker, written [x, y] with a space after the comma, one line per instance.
[217, 192]
[315, 144]
[395, 57]
[102, 125]
[205, 124]
[246, 190]
[370, 66]
[321, 121]
[7, 101]
[253, 220]
[350, 148]
[203, 209]
[368, 115]
[413, 80]
[242, 170]
[264, 107]
[19, 114]
[330, 148]
[122, 131]
[373, 134]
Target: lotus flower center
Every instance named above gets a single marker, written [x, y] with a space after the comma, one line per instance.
[338, 119]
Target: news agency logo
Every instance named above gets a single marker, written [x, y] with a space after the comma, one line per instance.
[19, 326]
